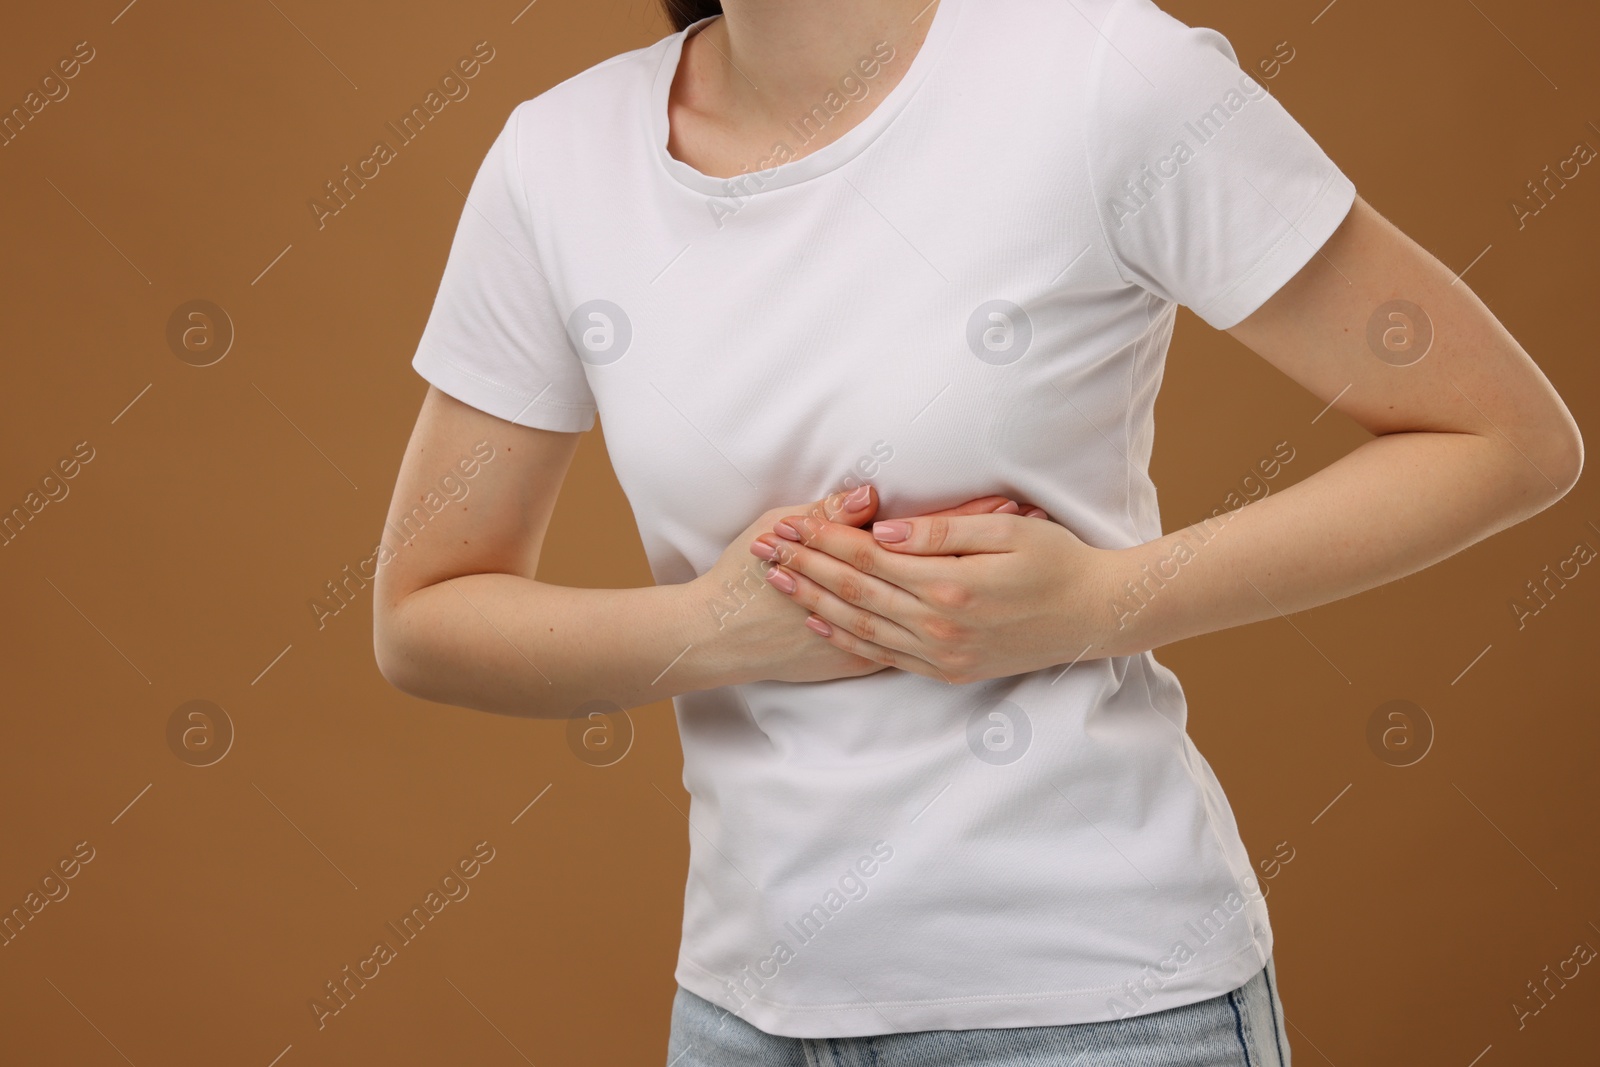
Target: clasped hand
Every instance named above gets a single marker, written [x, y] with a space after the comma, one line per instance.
[960, 598]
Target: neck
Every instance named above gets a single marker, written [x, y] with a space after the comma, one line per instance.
[772, 58]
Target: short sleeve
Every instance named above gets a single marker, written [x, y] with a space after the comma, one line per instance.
[1210, 194]
[495, 338]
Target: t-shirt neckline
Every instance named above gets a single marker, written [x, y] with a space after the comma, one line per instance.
[829, 156]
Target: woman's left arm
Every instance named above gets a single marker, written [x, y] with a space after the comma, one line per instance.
[1468, 440]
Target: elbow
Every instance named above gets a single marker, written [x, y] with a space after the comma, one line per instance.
[1538, 467]
[414, 668]
[395, 662]
[1575, 464]
[401, 670]
[392, 666]
[1562, 458]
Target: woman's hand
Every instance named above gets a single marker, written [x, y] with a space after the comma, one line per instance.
[757, 634]
[959, 598]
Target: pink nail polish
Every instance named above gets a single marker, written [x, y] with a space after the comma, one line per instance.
[783, 529]
[818, 626]
[1036, 513]
[763, 550]
[781, 580]
[1010, 507]
[893, 530]
[857, 499]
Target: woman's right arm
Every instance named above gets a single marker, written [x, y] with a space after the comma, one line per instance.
[457, 615]
[459, 618]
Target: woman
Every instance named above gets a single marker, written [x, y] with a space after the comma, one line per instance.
[860, 261]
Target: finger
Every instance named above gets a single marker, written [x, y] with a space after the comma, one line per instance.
[856, 548]
[851, 507]
[864, 624]
[983, 505]
[842, 638]
[986, 505]
[856, 605]
[960, 535]
[873, 601]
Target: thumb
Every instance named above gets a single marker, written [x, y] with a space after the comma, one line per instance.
[850, 507]
[946, 535]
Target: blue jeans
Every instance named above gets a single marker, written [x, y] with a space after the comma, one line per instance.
[1243, 1028]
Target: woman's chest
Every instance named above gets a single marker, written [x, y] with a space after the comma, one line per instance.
[751, 352]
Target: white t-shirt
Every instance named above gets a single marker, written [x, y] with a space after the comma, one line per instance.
[970, 292]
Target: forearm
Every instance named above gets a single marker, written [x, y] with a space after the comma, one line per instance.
[507, 644]
[1396, 504]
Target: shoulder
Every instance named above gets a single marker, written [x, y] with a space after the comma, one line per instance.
[586, 101]
[1109, 24]
[1149, 67]
[1118, 57]
[1139, 37]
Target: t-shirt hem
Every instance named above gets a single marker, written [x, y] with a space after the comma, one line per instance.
[1293, 249]
[992, 1011]
[501, 401]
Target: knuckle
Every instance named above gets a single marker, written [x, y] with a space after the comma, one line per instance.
[943, 628]
[938, 533]
[955, 661]
[862, 626]
[863, 557]
[865, 649]
[950, 595]
[851, 591]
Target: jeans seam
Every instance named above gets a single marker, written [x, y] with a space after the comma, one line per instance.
[1276, 1039]
[1238, 1027]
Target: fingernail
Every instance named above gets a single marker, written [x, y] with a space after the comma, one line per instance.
[818, 625]
[763, 550]
[783, 529]
[858, 497]
[891, 531]
[780, 579]
[1036, 513]
[1010, 507]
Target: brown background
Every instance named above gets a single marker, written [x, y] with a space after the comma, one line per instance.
[180, 567]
